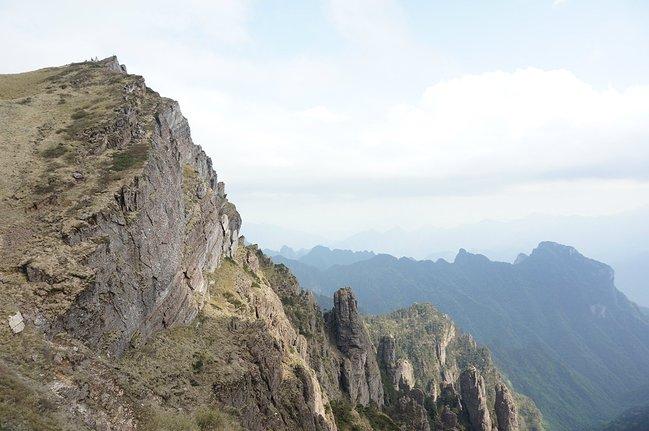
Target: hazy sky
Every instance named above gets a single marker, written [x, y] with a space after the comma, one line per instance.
[338, 116]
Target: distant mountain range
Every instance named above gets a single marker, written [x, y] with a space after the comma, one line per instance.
[554, 320]
[621, 240]
[322, 257]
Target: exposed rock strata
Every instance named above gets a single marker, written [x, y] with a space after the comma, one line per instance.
[148, 273]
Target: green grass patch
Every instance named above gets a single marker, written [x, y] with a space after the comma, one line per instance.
[130, 158]
[54, 151]
[23, 407]
[79, 114]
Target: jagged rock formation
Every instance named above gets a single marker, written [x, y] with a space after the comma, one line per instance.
[454, 382]
[359, 371]
[475, 399]
[409, 411]
[505, 409]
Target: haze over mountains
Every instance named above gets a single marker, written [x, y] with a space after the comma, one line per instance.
[621, 240]
[554, 320]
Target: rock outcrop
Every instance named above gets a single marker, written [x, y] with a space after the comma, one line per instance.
[157, 246]
[474, 399]
[17, 323]
[399, 372]
[505, 409]
[359, 372]
[429, 366]
[386, 353]
[409, 410]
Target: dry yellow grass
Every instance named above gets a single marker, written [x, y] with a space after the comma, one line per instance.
[21, 85]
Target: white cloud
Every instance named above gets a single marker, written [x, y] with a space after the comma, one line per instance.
[476, 146]
[526, 123]
[321, 114]
[350, 135]
[374, 24]
[518, 127]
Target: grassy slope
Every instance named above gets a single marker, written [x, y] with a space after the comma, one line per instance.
[46, 117]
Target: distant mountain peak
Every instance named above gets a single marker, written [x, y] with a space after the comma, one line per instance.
[520, 258]
[464, 256]
[550, 247]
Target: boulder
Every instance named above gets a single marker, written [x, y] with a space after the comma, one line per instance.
[17, 323]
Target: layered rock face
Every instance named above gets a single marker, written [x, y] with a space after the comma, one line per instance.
[127, 214]
[149, 271]
[359, 371]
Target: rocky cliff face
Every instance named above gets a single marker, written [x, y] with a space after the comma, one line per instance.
[120, 256]
[132, 214]
[149, 270]
[505, 409]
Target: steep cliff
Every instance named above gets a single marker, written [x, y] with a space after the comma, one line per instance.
[113, 215]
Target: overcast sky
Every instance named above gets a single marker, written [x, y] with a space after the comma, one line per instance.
[337, 116]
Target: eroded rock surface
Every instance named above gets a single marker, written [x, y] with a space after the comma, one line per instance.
[359, 372]
[148, 274]
[505, 409]
[475, 400]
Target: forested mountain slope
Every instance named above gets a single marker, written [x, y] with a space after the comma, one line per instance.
[554, 321]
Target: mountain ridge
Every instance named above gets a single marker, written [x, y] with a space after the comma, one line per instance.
[540, 316]
[130, 302]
